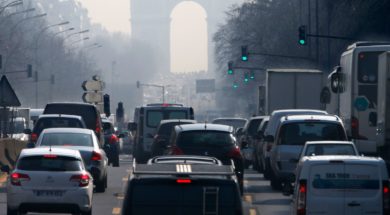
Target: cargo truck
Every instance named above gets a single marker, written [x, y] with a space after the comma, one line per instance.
[290, 89]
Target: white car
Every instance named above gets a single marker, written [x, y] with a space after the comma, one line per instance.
[49, 180]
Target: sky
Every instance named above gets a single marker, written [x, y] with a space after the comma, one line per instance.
[188, 30]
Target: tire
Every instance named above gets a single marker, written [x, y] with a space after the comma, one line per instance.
[276, 184]
[105, 181]
[12, 212]
[267, 170]
[86, 212]
[101, 185]
[261, 167]
[255, 165]
[115, 162]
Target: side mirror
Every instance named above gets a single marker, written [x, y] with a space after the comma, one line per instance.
[27, 131]
[336, 80]
[269, 138]
[30, 145]
[132, 126]
[5, 168]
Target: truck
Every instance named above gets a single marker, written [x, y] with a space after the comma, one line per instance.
[358, 90]
[290, 89]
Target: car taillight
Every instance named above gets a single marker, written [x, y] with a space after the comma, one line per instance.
[301, 203]
[235, 153]
[355, 127]
[82, 179]
[113, 139]
[97, 128]
[34, 137]
[183, 181]
[17, 178]
[96, 156]
[177, 151]
[386, 198]
[50, 156]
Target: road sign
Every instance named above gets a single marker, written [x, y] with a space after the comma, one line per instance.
[205, 85]
[8, 96]
[92, 85]
[93, 97]
[361, 103]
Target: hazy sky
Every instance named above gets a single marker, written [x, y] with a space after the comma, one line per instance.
[188, 52]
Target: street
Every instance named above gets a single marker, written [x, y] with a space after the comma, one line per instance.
[257, 199]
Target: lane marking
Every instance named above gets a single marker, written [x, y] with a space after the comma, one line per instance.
[252, 211]
[116, 211]
[248, 198]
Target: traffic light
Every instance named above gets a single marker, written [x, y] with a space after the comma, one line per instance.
[29, 70]
[106, 105]
[252, 75]
[246, 78]
[235, 85]
[230, 68]
[120, 112]
[244, 53]
[302, 35]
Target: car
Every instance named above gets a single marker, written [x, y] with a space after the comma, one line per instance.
[258, 152]
[337, 184]
[54, 121]
[49, 180]
[236, 122]
[164, 130]
[182, 185]
[293, 132]
[319, 148]
[270, 131]
[112, 142]
[247, 138]
[208, 140]
[88, 112]
[86, 142]
[128, 141]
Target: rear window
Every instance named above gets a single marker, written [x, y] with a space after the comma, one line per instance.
[167, 128]
[300, 132]
[204, 138]
[87, 112]
[55, 163]
[66, 139]
[153, 117]
[235, 123]
[44, 123]
[330, 149]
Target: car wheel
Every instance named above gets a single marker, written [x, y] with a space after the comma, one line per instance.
[276, 184]
[267, 170]
[101, 186]
[86, 212]
[261, 166]
[115, 163]
[12, 212]
[247, 163]
[255, 165]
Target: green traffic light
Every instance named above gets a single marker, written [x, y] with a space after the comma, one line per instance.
[244, 58]
[235, 86]
[246, 80]
[230, 72]
[252, 76]
[302, 42]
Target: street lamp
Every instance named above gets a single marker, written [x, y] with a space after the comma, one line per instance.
[11, 4]
[80, 32]
[60, 32]
[77, 41]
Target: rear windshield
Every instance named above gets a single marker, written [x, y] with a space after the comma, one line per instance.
[153, 117]
[167, 128]
[53, 163]
[330, 149]
[56, 123]
[66, 139]
[199, 138]
[300, 132]
[235, 123]
[88, 113]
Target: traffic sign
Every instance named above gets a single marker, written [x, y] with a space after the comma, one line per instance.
[8, 96]
[93, 97]
[92, 85]
[361, 103]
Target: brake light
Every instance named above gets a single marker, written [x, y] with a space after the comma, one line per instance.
[50, 156]
[355, 127]
[113, 139]
[386, 198]
[34, 137]
[97, 128]
[235, 153]
[183, 181]
[177, 151]
[82, 179]
[96, 156]
[301, 203]
[17, 178]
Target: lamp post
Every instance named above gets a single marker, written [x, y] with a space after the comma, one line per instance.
[80, 32]
[80, 40]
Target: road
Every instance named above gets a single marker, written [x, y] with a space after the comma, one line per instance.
[258, 198]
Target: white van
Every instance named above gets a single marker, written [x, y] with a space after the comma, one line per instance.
[341, 185]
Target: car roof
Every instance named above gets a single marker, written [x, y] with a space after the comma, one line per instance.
[70, 103]
[67, 130]
[328, 142]
[229, 118]
[296, 118]
[344, 158]
[60, 116]
[49, 150]
[292, 111]
[164, 121]
[204, 126]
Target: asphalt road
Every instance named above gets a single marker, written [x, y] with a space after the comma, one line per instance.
[258, 198]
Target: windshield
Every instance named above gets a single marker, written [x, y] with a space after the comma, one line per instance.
[66, 139]
[50, 163]
[153, 117]
[198, 138]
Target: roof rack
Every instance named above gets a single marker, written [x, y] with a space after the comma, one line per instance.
[187, 159]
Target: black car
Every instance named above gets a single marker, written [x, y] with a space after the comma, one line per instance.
[182, 185]
[208, 140]
[113, 144]
[164, 130]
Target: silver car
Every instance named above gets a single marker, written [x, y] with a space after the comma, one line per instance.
[86, 142]
[49, 180]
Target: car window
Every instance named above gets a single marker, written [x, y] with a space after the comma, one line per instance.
[44, 123]
[199, 138]
[66, 139]
[166, 129]
[153, 118]
[253, 125]
[177, 115]
[49, 163]
[330, 149]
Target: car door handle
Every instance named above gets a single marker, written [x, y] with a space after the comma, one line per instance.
[353, 204]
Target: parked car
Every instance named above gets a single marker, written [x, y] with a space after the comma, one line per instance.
[247, 138]
[49, 180]
[86, 142]
[258, 159]
[271, 129]
[204, 186]
[88, 112]
[54, 121]
[164, 130]
[293, 132]
[341, 185]
[113, 143]
[236, 122]
[208, 140]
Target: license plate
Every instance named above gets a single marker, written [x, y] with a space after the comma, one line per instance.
[48, 193]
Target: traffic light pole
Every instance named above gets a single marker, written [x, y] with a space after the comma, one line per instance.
[331, 37]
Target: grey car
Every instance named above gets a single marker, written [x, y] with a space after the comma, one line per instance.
[86, 142]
